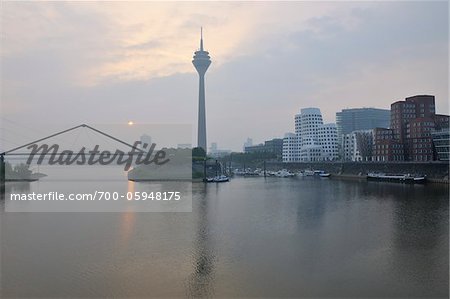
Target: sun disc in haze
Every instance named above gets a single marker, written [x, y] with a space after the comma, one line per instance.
[130, 123]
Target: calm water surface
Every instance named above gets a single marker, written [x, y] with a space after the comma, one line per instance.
[251, 237]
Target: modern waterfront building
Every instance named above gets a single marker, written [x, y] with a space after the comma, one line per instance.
[419, 142]
[313, 140]
[441, 121]
[355, 119]
[307, 122]
[349, 147]
[201, 63]
[357, 146]
[275, 145]
[441, 141]
[413, 121]
[402, 112]
[386, 147]
[291, 148]
[328, 139]
[311, 151]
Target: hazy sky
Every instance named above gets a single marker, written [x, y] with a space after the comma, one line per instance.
[86, 62]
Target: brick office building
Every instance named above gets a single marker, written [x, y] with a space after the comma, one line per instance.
[410, 136]
[419, 142]
[402, 112]
[441, 121]
[412, 123]
[386, 147]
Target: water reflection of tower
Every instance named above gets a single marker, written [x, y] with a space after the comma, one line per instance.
[201, 63]
[202, 278]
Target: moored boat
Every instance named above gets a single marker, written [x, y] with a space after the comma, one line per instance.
[217, 179]
[284, 174]
[316, 173]
[400, 178]
[221, 178]
[324, 174]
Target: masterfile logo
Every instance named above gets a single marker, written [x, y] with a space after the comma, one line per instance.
[54, 155]
[102, 168]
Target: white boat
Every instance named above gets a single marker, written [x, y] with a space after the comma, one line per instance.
[220, 179]
[316, 173]
[284, 174]
[308, 172]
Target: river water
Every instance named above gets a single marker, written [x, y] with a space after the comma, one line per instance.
[273, 237]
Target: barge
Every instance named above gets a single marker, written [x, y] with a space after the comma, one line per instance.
[400, 178]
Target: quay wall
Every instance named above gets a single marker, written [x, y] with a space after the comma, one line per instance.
[438, 171]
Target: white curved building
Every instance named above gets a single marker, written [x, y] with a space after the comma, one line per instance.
[315, 141]
[310, 150]
[290, 148]
[328, 139]
[309, 120]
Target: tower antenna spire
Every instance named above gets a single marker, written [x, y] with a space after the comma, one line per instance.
[201, 38]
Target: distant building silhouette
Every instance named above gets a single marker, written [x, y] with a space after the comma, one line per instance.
[249, 142]
[215, 152]
[184, 146]
[274, 146]
[213, 147]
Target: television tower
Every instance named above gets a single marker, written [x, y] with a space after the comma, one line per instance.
[201, 63]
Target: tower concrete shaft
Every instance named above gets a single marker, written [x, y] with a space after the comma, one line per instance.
[201, 63]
